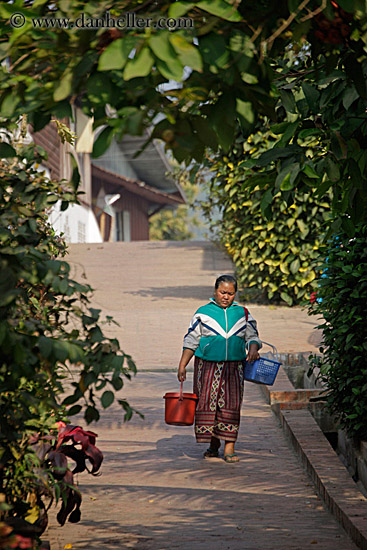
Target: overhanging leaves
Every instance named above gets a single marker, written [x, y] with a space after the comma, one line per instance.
[220, 8]
[188, 54]
[140, 66]
[275, 154]
[102, 142]
[116, 54]
[6, 150]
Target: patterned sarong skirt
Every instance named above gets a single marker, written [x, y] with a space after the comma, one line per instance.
[219, 386]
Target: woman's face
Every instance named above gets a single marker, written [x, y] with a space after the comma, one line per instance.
[224, 294]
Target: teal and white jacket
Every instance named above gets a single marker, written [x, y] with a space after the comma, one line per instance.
[221, 334]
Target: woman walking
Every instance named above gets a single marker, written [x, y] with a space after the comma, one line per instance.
[218, 335]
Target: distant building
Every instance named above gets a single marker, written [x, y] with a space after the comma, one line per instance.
[120, 192]
[126, 191]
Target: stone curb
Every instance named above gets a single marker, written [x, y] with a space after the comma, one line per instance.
[330, 477]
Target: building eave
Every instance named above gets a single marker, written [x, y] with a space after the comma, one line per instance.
[137, 187]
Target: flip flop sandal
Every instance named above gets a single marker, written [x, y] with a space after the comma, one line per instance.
[211, 453]
[231, 459]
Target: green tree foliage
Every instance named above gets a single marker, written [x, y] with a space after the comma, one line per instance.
[342, 303]
[273, 240]
[51, 338]
[311, 151]
[177, 224]
[127, 69]
[200, 80]
[170, 225]
[321, 121]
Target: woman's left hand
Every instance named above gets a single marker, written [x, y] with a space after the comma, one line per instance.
[253, 353]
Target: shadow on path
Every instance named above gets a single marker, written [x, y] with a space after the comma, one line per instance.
[197, 292]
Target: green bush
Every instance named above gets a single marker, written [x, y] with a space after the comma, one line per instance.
[170, 225]
[51, 338]
[272, 236]
[342, 302]
[276, 259]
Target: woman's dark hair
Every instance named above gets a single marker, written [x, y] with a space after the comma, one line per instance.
[226, 279]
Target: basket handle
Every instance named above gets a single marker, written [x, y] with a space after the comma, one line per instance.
[275, 352]
[181, 392]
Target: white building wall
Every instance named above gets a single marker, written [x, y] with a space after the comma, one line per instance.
[77, 224]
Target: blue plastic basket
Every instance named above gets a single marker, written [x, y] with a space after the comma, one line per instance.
[263, 370]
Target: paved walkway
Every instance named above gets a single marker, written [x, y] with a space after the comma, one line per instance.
[156, 492]
[153, 288]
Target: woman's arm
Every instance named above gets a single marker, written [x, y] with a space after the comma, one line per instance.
[190, 344]
[253, 340]
[187, 354]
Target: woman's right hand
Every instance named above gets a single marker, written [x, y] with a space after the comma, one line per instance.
[187, 354]
[181, 374]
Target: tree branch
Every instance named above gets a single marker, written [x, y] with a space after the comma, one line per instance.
[269, 41]
[316, 12]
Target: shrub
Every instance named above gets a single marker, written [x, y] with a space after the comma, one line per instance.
[272, 235]
[276, 258]
[342, 302]
[51, 338]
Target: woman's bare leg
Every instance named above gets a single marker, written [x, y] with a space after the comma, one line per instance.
[214, 443]
[212, 452]
[229, 453]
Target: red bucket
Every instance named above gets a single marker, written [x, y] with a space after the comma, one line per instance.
[180, 408]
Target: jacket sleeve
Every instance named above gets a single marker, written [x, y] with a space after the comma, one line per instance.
[192, 338]
[251, 334]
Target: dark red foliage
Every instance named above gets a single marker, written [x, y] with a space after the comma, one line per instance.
[71, 505]
[77, 455]
[69, 437]
[79, 445]
[59, 463]
[87, 441]
[344, 30]
[77, 434]
[336, 31]
[320, 36]
[334, 37]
